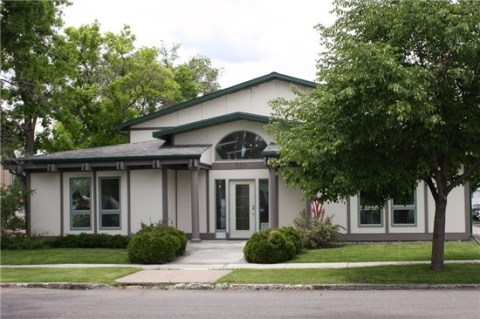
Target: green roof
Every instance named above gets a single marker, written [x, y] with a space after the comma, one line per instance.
[214, 95]
[211, 122]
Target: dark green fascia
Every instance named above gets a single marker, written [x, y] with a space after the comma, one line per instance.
[214, 95]
[100, 159]
[211, 122]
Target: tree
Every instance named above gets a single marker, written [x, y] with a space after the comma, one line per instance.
[398, 101]
[31, 70]
[113, 81]
[13, 198]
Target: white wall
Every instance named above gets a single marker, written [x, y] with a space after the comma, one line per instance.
[146, 197]
[45, 203]
[253, 100]
[290, 203]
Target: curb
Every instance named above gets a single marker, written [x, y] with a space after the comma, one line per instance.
[251, 287]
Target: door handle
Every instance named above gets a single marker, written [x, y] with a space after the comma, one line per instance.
[253, 209]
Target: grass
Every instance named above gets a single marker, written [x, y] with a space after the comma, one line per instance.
[404, 274]
[65, 256]
[70, 275]
[388, 252]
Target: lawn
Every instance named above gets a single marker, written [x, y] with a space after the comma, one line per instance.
[70, 275]
[65, 256]
[388, 252]
[404, 274]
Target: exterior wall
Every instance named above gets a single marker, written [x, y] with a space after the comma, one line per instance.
[141, 136]
[6, 177]
[338, 211]
[45, 204]
[252, 100]
[184, 208]
[290, 203]
[146, 197]
[172, 197]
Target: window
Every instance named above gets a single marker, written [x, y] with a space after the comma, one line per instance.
[240, 145]
[80, 203]
[110, 203]
[263, 201]
[369, 215]
[403, 211]
[220, 205]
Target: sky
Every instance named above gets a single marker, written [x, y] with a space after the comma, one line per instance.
[246, 38]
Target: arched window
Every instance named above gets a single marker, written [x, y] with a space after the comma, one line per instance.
[240, 145]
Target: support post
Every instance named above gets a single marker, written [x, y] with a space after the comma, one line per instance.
[164, 195]
[273, 198]
[195, 204]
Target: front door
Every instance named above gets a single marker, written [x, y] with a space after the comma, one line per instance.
[242, 209]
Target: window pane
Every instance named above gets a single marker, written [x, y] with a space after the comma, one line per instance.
[80, 194]
[110, 193]
[221, 208]
[263, 201]
[110, 220]
[240, 145]
[404, 216]
[81, 221]
[371, 216]
[242, 207]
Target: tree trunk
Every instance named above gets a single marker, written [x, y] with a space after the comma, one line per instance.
[438, 242]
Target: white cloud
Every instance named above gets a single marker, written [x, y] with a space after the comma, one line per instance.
[247, 38]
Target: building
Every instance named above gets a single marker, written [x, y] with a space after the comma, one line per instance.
[202, 166]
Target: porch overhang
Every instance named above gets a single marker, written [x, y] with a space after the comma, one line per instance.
[140, 155]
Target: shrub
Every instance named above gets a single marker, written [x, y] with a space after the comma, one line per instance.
[164, 229]
[268, 247]
[19, 241]
[318, 232]
[85, 240]
[293, 235]
[152, 247]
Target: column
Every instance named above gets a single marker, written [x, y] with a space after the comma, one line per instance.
[195, 205]
[273, 198]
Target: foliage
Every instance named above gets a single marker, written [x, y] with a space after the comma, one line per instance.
[317, 232]
[22, 242]
[268, 247]
[79, 83]
[164, 229]
[32, 70]
[13, 198]
[292, 235]
[397, 102]
[152, 247]
[85, 240]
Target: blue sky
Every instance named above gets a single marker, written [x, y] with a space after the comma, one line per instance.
[247, 38]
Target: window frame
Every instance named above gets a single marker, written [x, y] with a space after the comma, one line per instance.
[219, 208]
[75, 212]
[404, 207]
[117, 211]
[369, 208]
[218, 158]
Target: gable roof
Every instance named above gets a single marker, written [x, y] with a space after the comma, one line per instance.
[214, 95]
[211, 122]
[149, 150]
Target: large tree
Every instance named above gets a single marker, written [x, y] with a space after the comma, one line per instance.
[32, 70]
[398, 102]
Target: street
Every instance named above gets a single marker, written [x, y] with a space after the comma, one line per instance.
[141, 303]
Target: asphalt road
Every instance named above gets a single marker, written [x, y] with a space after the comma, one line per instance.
[140, 303]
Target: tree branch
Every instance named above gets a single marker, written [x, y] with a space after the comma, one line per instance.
[461, 178]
